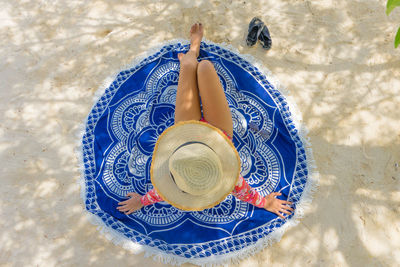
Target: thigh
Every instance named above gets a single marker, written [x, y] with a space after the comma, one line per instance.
[215, 106]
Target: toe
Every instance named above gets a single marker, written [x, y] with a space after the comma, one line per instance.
[192, 29]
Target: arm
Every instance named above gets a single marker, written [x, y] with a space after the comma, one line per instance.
[244, 192]
[137, 201]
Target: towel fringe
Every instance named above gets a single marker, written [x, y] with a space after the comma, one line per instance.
[231, 258]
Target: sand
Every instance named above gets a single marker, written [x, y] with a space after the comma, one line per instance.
[336, 58]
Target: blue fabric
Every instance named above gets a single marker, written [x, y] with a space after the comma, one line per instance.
[123, 127]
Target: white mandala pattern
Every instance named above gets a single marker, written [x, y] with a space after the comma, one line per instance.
[115, 170]
[159, 214]
[134, 132]
[227, 211]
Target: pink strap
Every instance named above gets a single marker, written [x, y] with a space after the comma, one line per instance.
[150, 198]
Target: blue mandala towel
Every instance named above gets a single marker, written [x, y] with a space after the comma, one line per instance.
[122, 129]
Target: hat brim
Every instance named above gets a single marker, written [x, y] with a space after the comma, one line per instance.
[172, 138]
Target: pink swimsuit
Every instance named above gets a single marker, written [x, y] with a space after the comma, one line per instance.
[242, 190]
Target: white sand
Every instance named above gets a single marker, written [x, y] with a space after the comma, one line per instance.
[336, 57]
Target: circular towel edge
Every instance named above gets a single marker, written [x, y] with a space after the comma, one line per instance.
[302, 206]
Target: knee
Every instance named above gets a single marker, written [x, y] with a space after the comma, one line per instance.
[204, 66]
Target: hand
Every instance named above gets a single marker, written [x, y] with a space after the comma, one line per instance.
[276, 205]
[130, 205]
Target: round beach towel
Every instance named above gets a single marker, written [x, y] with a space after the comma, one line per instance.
[122, 129]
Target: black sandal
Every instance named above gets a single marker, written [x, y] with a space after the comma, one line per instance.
[265, 38]
[255, 27]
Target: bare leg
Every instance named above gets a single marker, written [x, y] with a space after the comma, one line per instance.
[215, 106]
[187, 105]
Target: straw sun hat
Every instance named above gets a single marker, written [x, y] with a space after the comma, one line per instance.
[194, 165]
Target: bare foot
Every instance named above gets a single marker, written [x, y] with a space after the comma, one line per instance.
[196, 34]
